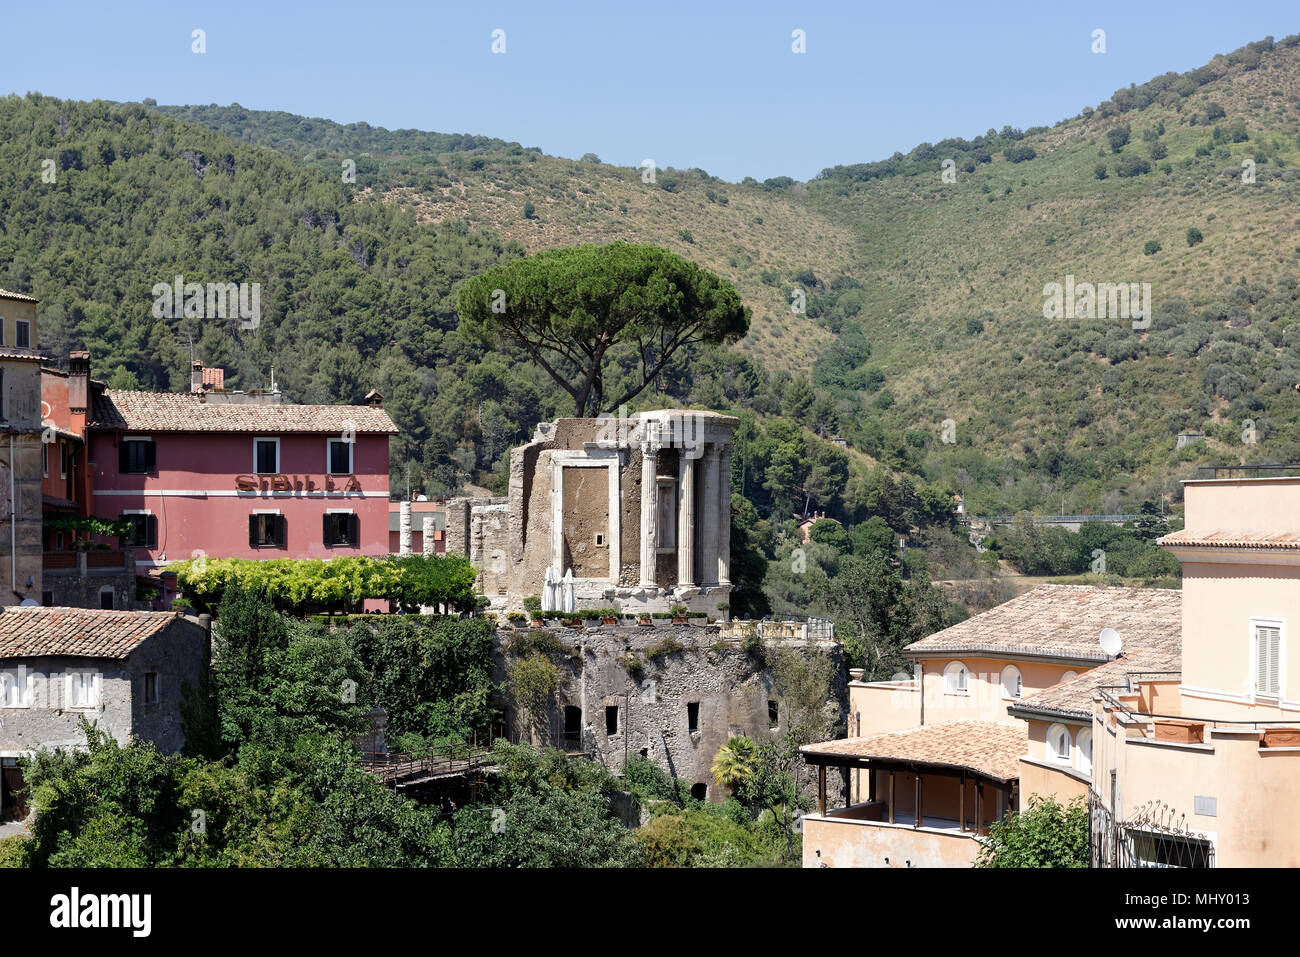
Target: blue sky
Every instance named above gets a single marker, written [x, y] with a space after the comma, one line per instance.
[713, 85]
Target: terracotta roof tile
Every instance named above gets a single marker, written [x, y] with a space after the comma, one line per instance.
[1063, 621]
[1233, 539]
[986, 747]
[1073, 698]
[26, 632]
[6, 294]
[185, 412]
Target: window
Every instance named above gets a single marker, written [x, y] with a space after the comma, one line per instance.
[15, 687]
[1011, 682]
[956, 679]
[136, 456]
[2, 393]
[144, 530]
[22, 334]
[1058, 743]
[151, 687]
[1268, 642]
[106, 599]
[266, 456]
[83, 689]
[773, 713]
[1083, 752]
[341, 528]
[572, 726]
[693, 716]
[340, 457]
[47, 599]
[45, 459]
[611, 719]
[2, 330]
[267, 530]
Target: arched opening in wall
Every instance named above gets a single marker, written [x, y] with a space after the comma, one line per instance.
[611, 719]
[1011, 682]
[956, 679]
[1083, 752]
[1058, 743]
[572, 727]
[700, 791]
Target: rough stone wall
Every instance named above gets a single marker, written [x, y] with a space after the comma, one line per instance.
[629, 573]
[732, 695]
[586, 519]
[179, 656]
[69, 589]
[489, 548]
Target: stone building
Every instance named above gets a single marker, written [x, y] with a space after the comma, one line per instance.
[20, 449]
[637, 509]
[120, 670]
[671, 694]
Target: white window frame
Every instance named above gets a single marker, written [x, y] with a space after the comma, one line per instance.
[19, 678]
[45, 453]
[352, 448]
[267, 438]
[951, 687]
[1257, 622]
[1020, 683]
[139, 511]
[1083, 741]
[95, 684]
[1053, 732]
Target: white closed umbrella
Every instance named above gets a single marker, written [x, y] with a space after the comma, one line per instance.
[570, 600]
[548, 590]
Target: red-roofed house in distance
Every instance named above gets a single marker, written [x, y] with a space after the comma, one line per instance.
[231, 474]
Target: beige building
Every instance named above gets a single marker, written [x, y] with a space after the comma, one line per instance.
[1216, 749]
[20, 450]
[637, 511]
[934, 759]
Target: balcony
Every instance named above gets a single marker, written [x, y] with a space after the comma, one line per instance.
[110, 561]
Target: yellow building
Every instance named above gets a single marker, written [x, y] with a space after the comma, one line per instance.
[1203, 769]
[933, 759]
[20, 450]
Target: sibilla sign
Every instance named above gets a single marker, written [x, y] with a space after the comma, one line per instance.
[294, 483]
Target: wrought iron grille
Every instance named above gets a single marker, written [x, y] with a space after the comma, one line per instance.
[1155, 836]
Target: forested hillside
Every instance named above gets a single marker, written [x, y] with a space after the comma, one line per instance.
[925, 296]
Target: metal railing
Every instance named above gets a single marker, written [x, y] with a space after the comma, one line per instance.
[1104, 692]
[1247, 471]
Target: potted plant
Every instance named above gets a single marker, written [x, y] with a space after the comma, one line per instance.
[679, 615]
[1180, 732]
[1282, 737]
[572, 619]
[645, 619]
[609, 616]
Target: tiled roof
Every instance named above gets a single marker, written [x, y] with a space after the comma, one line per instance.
[6, 294]
[1073, 698]
[185, 412]
[1063, 621]
[214, 377]
[1235, 539]
[81, 632]
[22, 354]
[986, 747]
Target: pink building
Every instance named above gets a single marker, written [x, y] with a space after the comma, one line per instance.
[239, 475]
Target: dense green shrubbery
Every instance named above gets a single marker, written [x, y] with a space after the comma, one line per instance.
[343, 583]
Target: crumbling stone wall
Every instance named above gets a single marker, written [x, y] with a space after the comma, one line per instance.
[730, 688]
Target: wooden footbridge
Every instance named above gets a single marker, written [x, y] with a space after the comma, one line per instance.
[399, 771]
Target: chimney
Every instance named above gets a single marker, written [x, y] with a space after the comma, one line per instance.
[78, 381]
[196, 376]
[375, 399]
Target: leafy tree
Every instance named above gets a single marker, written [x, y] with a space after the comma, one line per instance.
[1151, 248]
[827, 531]
[734, 762]
[1193, 236]
[592, 311]
[1118, 136]
[1045, 834]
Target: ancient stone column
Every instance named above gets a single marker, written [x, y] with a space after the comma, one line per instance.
[724, 516]
[685, 520]
[428, 532]
[404, 529]
[649, 512]
[709, 517]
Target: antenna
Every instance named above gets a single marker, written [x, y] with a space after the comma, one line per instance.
[1111, 642]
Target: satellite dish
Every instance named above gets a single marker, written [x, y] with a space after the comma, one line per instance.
[29, 603]
[1111, 642]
